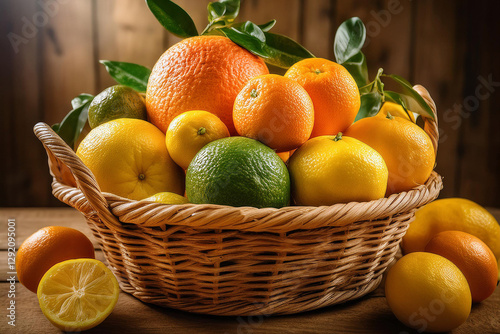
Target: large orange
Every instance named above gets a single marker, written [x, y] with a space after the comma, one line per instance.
[472, 256]
[47, 247]
[405, 147]
[200, 73]
[274, 110]
[333, 91]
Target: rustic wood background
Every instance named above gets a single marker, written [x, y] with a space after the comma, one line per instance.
[450, 47]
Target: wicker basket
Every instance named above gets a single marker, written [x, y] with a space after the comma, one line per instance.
[225, 260]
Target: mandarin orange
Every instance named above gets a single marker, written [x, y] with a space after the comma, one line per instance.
[333, 91]
[274, 110]
[472, 256]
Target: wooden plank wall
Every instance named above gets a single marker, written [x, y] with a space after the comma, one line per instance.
[448, 46]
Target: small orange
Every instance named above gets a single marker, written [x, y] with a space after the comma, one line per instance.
[275, 110]
[333, 91]
[47, 247]
[405, 147]
[472, 256]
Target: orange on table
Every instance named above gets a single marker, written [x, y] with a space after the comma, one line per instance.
[189, 132]
[200, 73]
[472, 256]
[274, 110]
[333, 91]
[47, 247]
[405, 147]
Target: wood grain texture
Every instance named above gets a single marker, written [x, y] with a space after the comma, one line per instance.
[388, 29]
[368, 315]
[24, 179]
[479, 137]
[437, 67]
[318, 27]
[126, 31]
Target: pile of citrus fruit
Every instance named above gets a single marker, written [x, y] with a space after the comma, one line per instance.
[209, 124]
[217, 126]
[452, 250]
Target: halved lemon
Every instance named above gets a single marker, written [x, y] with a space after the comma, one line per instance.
[77, 295]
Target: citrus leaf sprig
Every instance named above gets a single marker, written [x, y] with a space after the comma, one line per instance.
[72, 125]
[128, 74]
[277, 50]
[349, 40]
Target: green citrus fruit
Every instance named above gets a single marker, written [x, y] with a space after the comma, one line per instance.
[238, 171]
[116, 102]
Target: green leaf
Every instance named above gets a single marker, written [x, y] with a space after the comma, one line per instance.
[356, 65]
[81, 100]
[370, 105]
[287, 45]
[173, 18]
[411, 97]
[406, 101]
[249, 42]
[253, 30]
[226, 10]
[72, 125]
[128, 74]
[277, 50]
[267, 26]
[349, 39]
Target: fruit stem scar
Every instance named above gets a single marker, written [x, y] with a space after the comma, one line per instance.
[389, 116]
[338, 137]
[254, 93]
[317, 71]
[142, 176]
[201, 131]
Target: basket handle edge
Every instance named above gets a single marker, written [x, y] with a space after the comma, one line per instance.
[85, 180]
[430, 125]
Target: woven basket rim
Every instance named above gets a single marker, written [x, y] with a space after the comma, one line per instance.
[210, 216]
[115, 210]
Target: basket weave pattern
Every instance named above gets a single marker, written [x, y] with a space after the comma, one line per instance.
[240, 261]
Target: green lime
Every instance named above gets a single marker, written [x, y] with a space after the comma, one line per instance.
[116, 102]
[238, 171]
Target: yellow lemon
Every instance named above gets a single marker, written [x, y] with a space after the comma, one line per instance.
[395, 110]
[128, 158]
[449, 214]
[190, 131]
[427, 292]
[336, 169]
[77, 295]
[167, 198]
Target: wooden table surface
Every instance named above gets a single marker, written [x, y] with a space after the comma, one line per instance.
[370, 314]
